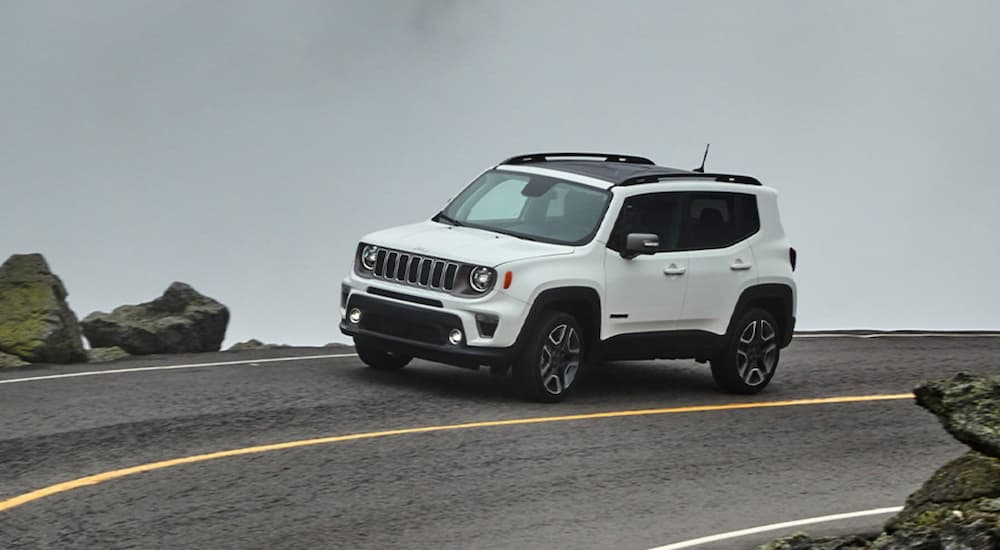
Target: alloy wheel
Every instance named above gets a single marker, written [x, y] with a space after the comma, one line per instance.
[560, 359]
[757, 352]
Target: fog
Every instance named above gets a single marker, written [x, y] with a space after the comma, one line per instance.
[244, 147]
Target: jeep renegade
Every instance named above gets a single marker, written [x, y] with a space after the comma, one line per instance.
[549, 262]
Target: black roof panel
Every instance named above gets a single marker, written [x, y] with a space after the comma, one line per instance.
[614, 172]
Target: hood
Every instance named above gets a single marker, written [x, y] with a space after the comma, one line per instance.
[464, 244]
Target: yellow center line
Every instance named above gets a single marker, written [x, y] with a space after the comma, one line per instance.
[133, 470]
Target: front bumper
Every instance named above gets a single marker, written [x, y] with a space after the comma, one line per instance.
[419, 332]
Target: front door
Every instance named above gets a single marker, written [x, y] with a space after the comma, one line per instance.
[645, 293]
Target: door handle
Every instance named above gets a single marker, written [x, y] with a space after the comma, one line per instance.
[674, 269]
[740, 265]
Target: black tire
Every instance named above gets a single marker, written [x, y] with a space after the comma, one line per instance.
[556, 339]
[375, 357]
[751, 356]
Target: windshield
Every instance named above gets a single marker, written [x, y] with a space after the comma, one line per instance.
[529, 206]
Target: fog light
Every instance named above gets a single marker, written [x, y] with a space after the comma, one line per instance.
[455, 336]
[354, 316]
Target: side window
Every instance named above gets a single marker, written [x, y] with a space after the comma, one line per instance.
[503, 201]
[718, 220]
[656, 213]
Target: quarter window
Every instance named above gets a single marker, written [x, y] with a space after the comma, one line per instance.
[718, 220]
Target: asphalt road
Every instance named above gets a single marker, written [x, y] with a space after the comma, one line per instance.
[629, 482]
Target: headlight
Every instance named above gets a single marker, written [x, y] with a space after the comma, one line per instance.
[481, 279]
[369, 255]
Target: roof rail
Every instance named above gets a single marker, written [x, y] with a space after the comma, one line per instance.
[602, 157]
[726, 178]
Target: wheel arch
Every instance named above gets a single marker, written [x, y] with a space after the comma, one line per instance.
[582, 302]
[775, 298]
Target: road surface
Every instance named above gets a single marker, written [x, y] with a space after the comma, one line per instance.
[631, 481]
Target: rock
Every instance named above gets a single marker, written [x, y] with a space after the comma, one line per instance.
[248, 345]
[253, 343]
[953, 534]
[180, 321]
[7, 360]
[36, 324]
[99, 355]
[340, 347]
[801, 541]
[958, 508]
[965, 490]
[969, 408]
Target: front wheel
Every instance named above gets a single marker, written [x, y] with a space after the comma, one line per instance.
[375, 357]
[551, 359]
[748, 363]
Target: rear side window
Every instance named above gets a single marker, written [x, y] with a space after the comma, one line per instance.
[718, 220]
[656, 213]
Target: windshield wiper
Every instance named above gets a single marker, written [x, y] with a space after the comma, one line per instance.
[441, 216]
[521, 236]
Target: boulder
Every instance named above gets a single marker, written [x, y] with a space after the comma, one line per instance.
[180, 321]
[958, 508]
[36, 324]
[7, 360]
[960, 499]
[953, 534]
[968, 406]
[100, 355]
[801, 541]
[960, 485]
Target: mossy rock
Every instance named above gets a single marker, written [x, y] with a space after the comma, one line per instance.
[36, 324]
[968, 406]
[802, 541]
[953, 534]
[8, 361]
[180, 321]
[959, 503]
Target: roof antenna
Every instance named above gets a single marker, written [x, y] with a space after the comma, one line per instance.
[705, 157]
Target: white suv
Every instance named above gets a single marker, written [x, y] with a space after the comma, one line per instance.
[549, 262]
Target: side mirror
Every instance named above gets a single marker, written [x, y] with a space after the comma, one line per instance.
[640, 243]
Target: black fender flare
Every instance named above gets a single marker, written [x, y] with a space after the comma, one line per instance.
[577, 294]
[775, 293]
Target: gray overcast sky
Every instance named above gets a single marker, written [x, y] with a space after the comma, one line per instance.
[245, 146]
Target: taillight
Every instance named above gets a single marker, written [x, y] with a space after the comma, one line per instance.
[793, 257]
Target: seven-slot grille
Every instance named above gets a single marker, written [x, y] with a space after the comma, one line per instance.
[415, 270]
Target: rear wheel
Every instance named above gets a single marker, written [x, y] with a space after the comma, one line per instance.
[377, 358]
[551, 359]
[751, 356]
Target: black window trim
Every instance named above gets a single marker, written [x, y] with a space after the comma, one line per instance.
[685, 200]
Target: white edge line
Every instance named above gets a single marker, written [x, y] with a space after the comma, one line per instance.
[893, 335]
[775, 527]
[333, 356]
[174, 367]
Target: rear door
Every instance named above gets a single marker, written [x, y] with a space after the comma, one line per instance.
[717, 229]
[646, 293]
